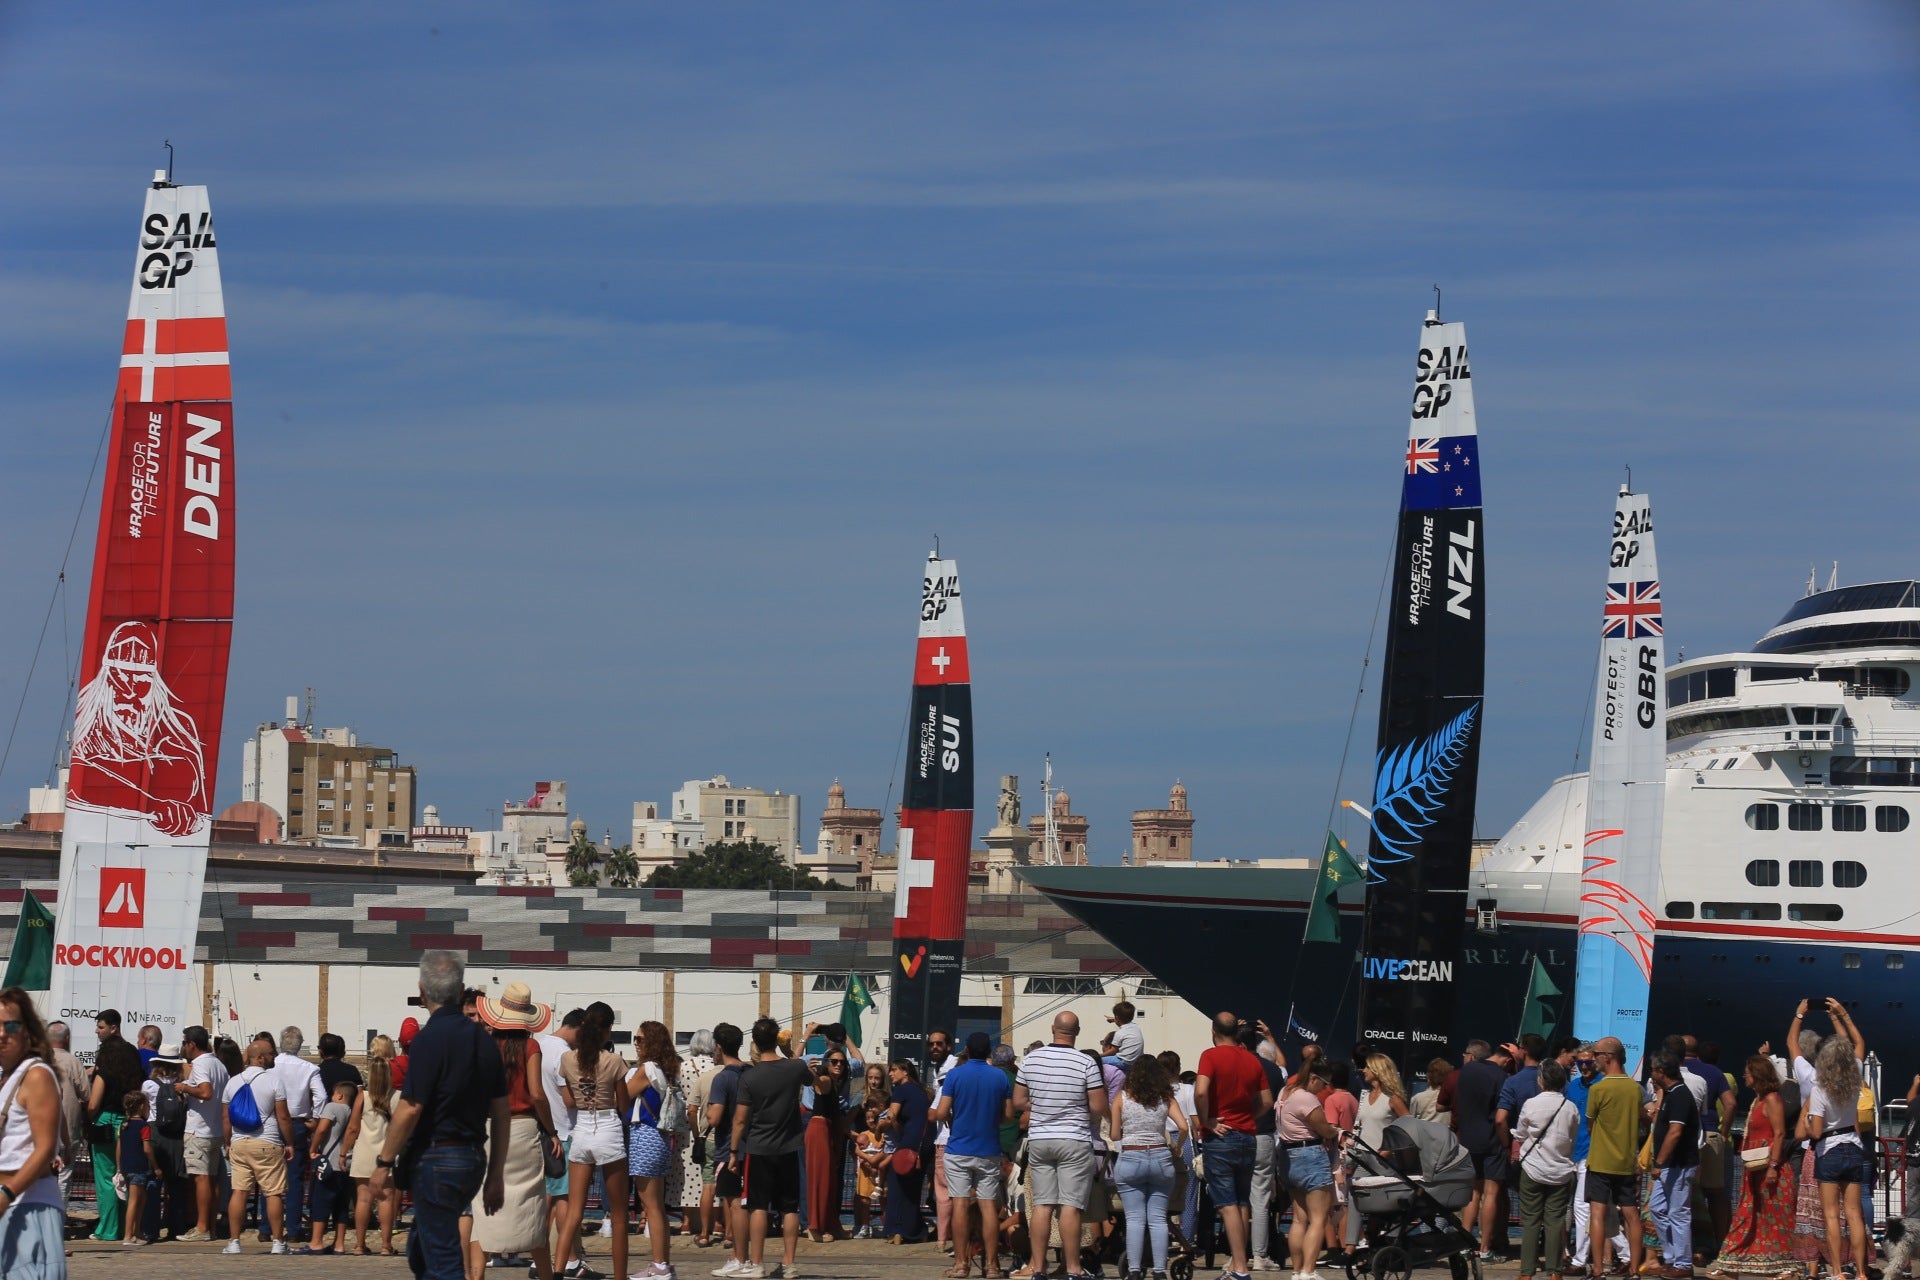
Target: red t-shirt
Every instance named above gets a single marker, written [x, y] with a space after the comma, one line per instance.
[1235, 1081]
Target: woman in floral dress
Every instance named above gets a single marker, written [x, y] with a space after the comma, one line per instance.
[683, 1190]
[1760, 1240]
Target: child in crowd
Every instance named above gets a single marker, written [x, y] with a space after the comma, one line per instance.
[136, 1165]
[870, 1179]
[332, 1196]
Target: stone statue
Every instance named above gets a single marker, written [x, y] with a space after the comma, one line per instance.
[1009, 800]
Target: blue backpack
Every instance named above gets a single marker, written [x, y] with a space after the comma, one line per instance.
[244, 1111]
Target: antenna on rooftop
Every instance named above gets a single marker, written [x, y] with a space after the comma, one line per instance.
[309, 707]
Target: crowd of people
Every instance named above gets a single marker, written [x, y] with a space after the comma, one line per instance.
[517, 1135]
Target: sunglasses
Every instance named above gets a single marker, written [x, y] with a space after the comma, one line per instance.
[11, 1027]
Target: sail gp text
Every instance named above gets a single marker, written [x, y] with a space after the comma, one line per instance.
[171, 249]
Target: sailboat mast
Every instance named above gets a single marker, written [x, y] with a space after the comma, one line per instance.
[936, 824]
[1626, 792]
[153, 674]
[1433, 678]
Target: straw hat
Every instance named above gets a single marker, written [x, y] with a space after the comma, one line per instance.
[170, 1055]
[515, 1010]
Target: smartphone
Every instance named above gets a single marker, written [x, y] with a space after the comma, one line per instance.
[1816, 1004]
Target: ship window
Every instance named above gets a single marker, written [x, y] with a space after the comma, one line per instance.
[1679, 911]
[1739, 911]
[1814, 715]
[1765, 817]
[1804, 874]
[1870, 682]
[1849, 875]
[1889, 817]
[1873, 771]
[1849, 817]
[1803, 817]
[1720, 682]
[1763, 873]
[1153, 987]
[1812, 911]
[1730, 718]
[1895, 960]
[1777, 673]
[1849, 959]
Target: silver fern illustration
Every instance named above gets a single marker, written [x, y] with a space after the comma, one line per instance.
[1410, 787]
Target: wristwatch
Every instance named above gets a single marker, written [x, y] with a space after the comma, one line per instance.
[382, 1162]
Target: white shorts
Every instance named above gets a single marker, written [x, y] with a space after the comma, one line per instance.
[598, 1138]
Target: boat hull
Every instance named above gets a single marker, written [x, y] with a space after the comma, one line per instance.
[1229, 938]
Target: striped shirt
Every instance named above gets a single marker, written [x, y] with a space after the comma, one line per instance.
[1058, 1078]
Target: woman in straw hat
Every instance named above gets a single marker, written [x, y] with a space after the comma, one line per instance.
[521, 1224]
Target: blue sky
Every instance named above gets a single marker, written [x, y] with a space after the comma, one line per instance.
[602, 376]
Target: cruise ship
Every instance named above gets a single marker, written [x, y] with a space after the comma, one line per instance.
[1790, 863]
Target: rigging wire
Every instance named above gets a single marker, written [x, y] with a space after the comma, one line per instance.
[1346, 747]
[59, 587]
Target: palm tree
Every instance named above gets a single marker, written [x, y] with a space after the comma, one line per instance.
[623, 867]
[582, 862]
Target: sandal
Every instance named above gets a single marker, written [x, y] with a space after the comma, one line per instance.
[957, 1273]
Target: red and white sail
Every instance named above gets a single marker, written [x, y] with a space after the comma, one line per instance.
[153, 674]
[936, 823]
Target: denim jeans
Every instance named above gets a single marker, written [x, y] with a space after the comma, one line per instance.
[1672, 1207]
[1228, 1160]
[444, 1182]
[1145, 1179]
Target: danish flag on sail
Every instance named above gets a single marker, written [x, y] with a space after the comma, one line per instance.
[936, 823]
[153, 672]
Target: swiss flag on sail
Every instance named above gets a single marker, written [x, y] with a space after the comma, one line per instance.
[175, 360]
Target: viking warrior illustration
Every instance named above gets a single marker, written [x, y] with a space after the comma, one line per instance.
[139, 751]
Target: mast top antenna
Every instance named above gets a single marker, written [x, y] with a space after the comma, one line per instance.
[164, 177]
[1433, 316]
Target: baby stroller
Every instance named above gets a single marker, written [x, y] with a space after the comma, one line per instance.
[1407, 1191]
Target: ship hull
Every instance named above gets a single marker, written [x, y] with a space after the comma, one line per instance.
[1229, 938]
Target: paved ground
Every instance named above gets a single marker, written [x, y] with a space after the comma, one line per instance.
[846, 1260]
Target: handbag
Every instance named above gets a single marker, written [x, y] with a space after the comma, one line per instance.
[553, 1160]
[905, 1161]
[1755, 1157]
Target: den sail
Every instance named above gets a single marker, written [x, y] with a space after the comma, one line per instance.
[153, 675]
[1427, 762]
[1626, 792]
[936, 823]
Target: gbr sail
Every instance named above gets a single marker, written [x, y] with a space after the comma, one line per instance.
[936, 824]
[1427, 764]
[153, 673]
[1626, 792]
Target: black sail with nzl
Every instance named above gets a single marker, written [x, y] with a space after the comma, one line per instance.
[1426, 764]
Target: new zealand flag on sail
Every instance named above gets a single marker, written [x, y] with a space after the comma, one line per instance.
[1442, 472]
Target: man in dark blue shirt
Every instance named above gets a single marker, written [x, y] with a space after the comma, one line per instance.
[456, 1091]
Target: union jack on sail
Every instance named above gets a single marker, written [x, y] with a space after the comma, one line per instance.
[1632, 611]
[1423, 456]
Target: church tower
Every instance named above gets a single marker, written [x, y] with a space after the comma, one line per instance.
[1163, 835]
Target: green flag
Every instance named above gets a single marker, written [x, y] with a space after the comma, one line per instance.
[1336, 868]
[857, 1001]
[31, 965]
[1539, 1016]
